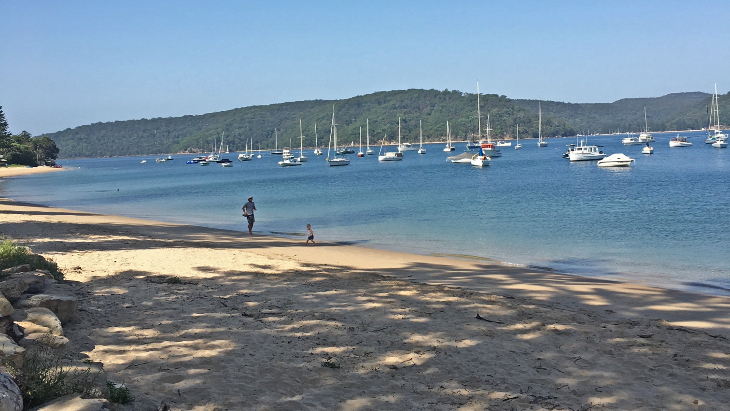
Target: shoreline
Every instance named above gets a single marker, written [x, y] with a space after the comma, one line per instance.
[273, 324]
[21, 171]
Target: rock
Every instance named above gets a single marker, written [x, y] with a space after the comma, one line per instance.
[15, 332]
[56, 342]
[63, 305]
[38, 319]
[13, 288]
[10, 398]
[74, 402]
[34, 280]
[16, 269]
[11, 351]
[5, 307]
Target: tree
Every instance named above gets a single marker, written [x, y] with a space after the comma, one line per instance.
[45, 149]
[5, 137]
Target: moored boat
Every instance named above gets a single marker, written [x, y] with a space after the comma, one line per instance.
[616, 160]
[584, 152]
[679, 141]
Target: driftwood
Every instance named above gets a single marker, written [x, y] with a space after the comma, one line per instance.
[479, 317]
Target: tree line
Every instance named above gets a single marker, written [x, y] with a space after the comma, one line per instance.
[24, 149]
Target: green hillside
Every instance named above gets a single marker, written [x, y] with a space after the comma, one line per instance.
[236, 127]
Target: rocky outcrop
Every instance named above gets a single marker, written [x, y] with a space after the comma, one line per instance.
[10, 398]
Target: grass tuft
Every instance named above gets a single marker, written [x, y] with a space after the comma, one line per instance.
[12, 254]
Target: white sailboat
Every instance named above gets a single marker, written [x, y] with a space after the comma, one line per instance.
[718, 139]
[404, 146]
[276, 151]
[245, 156]
[258, 156]
[393, 155]
[449, 147]
[369, 150]
[488, 148]
[645, 136]
[336, 160]
[317, 151]
[540, 141]
[421, 150]
[360, 153]
[302, 158]
[518, 145]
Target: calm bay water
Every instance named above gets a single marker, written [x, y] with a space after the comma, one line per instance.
[661, 222]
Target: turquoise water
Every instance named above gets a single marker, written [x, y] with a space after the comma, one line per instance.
[661, 222]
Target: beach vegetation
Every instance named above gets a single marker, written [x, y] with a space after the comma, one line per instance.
[12, 254]
[24, 149]
[42, 377]
[119, 394]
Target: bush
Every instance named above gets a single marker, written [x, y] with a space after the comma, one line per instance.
[12, 254]
[119, 394]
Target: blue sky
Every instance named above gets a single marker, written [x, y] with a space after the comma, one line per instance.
[69, 63]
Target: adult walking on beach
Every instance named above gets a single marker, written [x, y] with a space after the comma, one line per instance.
[248, 210]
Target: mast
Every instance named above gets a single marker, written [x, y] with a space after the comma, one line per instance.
[398, 131]
[367, 132]
[315, 136]
[479, 115]
[646, 124]
[448, 134]
[334, 127]
[539, 125]
[301, 139]
[420, 131]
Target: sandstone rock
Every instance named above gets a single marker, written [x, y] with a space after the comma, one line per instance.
[11, 351]
[10, 397]
[63, 305]
[74, 402]
[16, 269]
[38, 319]
[5, 307]
[34, 280]
[13, 288]
[56, 342]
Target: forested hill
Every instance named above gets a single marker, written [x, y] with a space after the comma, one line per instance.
[238, 126]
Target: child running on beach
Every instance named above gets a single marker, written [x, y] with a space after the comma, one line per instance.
[310, 235]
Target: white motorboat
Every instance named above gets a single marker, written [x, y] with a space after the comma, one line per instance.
[302, 158]
[392, 156]
[227, 164]
[289, 162]
[504, 143]
[406, 147]
[463, 158]
[616, 160]
[645, 136]
[648, 149]
[203, 163]
[584, 152]
[518, 145]
[286, 153]
[421, 150]
[336, 160]
[480, 160]
[540, 141]
[720, 144]
[143, 161]
[449, 147]
[679, 141]
[631, 141]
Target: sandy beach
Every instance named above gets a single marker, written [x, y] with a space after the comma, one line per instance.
[267, 323]
[21, 171]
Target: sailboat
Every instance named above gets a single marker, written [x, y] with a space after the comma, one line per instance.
[392, 155]
[421, 150]
[360, 153]
[518, 145]
[369, 150]
[317, 151]
[487, 148]
[718, 139]
[540, 141]
[336, 160]
[301, 157]
[246, 156]
[258, 156]
[276, 151]
[448, 147]
[646, 137]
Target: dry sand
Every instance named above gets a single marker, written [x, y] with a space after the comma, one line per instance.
[21, 171]
[266, 323]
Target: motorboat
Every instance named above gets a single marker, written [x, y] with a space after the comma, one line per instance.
[463, 158]
[203, 163]
[286, 153]
[616, 160]
[196, 160]
[504, 144]
[648, 149]
[406, 147]
[584, 152]
[290, 162]
[143, 161]
[227, 164]
[480, 160]
[244, 157]
[720, 144]
[567, 152]
[631, 141]
[679, 141]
